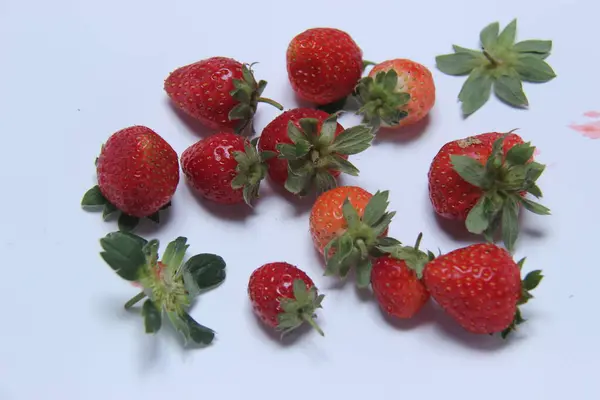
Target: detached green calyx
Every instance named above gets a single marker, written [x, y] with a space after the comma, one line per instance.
[248, 92]
[501, 63]
[380, 100]
[169, 284]
[414, 258]
[502, 182]
[300, 309]
[251, 170]
[361, 241]
[313, 155]
[531, 281]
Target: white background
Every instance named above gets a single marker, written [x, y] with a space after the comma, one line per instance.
[74, 72]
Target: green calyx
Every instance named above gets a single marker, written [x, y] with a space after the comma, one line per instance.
[169, 285]
[502, 181]
[251, 170]
[301, 309]
[314, 154]
[501, 64]
[94, 199]
[531, 281]
[362, 240]
[248, 93]
[381, 100]
[414, 258]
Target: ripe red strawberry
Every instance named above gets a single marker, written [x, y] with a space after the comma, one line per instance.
[482, 180]
[221, 92]
[138, 173]
[225, 168]
[324, 65]
[312, 149]
[396, 280]
[284, 297]
[348, 226]
[480, 287]
[396, 93]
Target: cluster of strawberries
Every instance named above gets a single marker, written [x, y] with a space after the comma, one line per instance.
[481, 180]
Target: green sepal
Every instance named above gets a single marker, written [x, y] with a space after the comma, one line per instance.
[108, 210]
[190, 330]
[299, 309]
[123, 252]
[173, 255]
[414, 258]
[152, 317]
[203, 272]
[248, 93]
[127, 223]
[93, 198]
[251, 169]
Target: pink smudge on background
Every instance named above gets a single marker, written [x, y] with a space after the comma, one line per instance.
[536, 152]
[592, 114]
[590, 129]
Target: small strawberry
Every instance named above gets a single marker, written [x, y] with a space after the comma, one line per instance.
[482, 180]
[480, 287]
[396, 93]
[324, 65]
[396, 280]
[284, 297]
[225, 168]
[138, 173]
[348, 225]
[220, 92]
[312, 149]
[169, 284]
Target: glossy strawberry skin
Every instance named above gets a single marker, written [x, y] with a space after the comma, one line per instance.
[138, 171]
[202, 90]
[323, 64]
[451, 196]
[478, 286]
[414, 79]
[276, 132]
[209, 166]
[396, 287]
[268, 284]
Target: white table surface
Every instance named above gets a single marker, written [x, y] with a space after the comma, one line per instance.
[73, 72]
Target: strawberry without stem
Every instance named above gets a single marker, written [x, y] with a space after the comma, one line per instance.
[225, 168]
[138, 173]
[284, 297]
[220, 92]
[482, 180]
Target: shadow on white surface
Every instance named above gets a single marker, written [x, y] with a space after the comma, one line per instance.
[403, 135]
[230, 212]
[195, 127]
[288, 340]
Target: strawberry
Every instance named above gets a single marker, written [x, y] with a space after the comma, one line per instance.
[480, 287]
[324, 65]
[220, 92]
[348, 226]
[396, 280]
[482, 180]
[396, 93]
[284, 297]
[312, 149]
[138, 173]
[225, 168]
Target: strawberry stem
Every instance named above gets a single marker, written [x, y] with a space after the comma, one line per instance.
[312, 323]
[418, 242]
[134, 300]
[490, 58]
[271, 102]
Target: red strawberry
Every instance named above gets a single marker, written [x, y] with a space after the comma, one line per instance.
[225, 168]
[480, 287]
[138, 173]
[396, 281]
[313, 149]
[221, 92]
[324, 65]
[482, 180]
[348, 226]
[396, 93]
[284, 297]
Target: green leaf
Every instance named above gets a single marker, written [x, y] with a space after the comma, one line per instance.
[475, 91]
[152, 317]
[240, 111]
[363, 273]
[301, 294]
[93, 197]
[309, 126]
[108, 210]
[340, 164]
[532, 280]
[127, 223]
[174, 254]
[510, 89]
[343, 249]
[489, 35]
[297, 183]
[376, 208]
[383, 223]
[535, 191]
[150, 251]
[350, 214]
[534, 207]
[390, 80]
[353, 140]
[123, 253]
[202, 272]
[295, 134]
[507, 38]
[456, 64]
[324, 181]
[510, 223]
[514, 180]
[477, 219]
[475, 53]
[534, 69]
[293, 151]
[154, 217]
[520, 154]
[328, 130]
[534, 171]
[533, 46]
[470, 170]
[199, 334]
